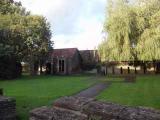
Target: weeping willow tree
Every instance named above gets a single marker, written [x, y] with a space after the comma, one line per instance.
[121, 28]
[133, 31]
[148, 47]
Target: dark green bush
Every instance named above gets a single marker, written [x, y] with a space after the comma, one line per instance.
[9, 67]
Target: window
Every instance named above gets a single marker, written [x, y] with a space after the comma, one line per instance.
[61, 65]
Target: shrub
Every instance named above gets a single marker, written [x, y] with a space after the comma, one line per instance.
[9, 67]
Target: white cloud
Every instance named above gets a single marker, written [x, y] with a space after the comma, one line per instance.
[87, 39]
[43, 6]
[75, 23]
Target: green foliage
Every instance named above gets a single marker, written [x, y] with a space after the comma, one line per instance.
[121, 32]
[148, 46]
[24, 36]
[12, 7]
[133, 31]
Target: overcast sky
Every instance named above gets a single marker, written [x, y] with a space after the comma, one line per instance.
[74, 23]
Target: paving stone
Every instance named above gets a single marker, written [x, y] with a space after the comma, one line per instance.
[110, 111]
[56, 113]
[93, 91]
[72, 103]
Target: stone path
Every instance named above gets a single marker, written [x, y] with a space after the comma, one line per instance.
[93, 91]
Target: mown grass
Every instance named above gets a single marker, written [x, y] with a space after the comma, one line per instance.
[32, 92]
[145, 92]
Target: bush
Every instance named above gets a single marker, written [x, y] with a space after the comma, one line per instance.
[9, 67]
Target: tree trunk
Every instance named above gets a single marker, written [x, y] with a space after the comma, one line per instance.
[32, 69]
[31, 65]
[121, 70]
[128, 70]
[154, 65]
[158, 67]
[113, 72]
[106, 70]
[40, 63]
[135, 70]
[144, 67]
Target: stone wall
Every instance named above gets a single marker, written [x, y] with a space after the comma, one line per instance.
[73, 108]
[7, 108]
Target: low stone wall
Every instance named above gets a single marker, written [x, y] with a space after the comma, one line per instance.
[73, 108]
[7, 108]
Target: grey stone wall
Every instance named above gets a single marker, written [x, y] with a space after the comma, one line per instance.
[7, 108]
[73, 108]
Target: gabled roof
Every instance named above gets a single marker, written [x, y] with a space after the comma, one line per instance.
[66, 52]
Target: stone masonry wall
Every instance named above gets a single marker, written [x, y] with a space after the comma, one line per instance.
[73, 108]
[7, 108]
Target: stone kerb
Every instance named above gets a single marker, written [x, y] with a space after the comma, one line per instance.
[73, 108]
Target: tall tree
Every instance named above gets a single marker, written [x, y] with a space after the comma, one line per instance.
[23, 36]
[133, 30]
[148, 46]
[121, 31]
[38, 39]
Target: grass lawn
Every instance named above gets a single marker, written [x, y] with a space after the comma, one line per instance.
[145, 92]
[31, 92]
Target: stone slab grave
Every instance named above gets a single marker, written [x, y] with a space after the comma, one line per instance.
[7, 108]
[75, 108]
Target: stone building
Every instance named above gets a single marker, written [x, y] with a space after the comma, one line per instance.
[70, 60]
